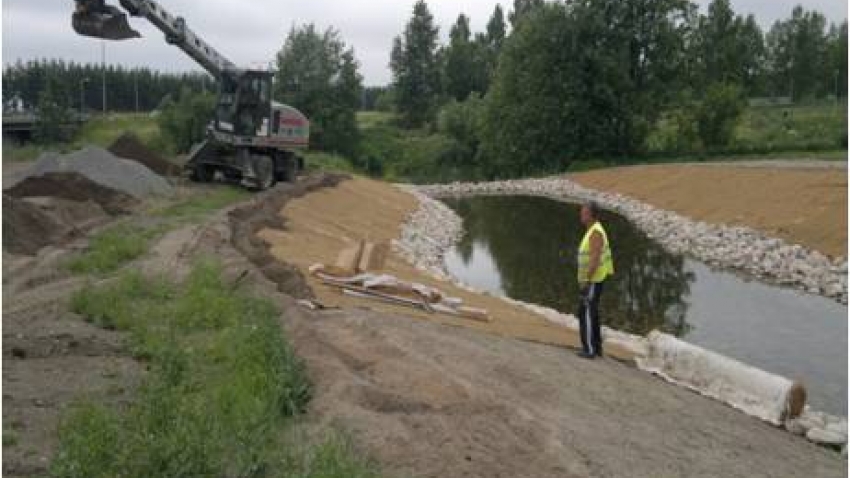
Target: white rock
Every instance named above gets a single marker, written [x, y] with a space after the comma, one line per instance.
[825, 437]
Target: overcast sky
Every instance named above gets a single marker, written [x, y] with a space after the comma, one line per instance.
[250, 32]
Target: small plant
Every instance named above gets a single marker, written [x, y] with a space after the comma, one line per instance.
[111, 249]
[10, 438]
[203, 204]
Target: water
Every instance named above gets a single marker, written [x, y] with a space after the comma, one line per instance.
[525, 248]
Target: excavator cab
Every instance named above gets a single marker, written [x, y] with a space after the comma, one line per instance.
[94, 18]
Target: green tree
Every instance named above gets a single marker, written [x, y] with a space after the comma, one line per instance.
[53, 114]
[462, 121]
[521, 9]
[568, 85]
[718, 114]
[797, 51]
[466, 62]
[317, 74]
[496, 29]
[183, 122]
[838, 60]
[493, 40]
[415, 70]
[729, 48]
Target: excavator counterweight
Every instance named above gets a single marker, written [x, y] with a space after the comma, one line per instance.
[93, 18]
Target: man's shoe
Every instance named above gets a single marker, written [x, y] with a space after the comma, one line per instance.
[586, 355]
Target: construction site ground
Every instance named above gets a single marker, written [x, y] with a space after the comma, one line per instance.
[424, 395]
[803, 202]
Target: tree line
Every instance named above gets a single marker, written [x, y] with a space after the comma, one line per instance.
[69, 83]
[592, 78]
[544, 84]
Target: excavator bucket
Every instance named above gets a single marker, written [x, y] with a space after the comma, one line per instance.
[94, 18]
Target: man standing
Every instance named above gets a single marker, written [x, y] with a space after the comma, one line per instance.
[595, 264]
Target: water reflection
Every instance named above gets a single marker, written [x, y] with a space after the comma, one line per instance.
[525, 248]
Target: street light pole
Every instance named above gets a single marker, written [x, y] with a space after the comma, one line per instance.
[837, 91]
[136, 87]
[83, 96]
[103, 72]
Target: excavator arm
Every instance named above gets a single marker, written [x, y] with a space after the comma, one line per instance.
[95, 18]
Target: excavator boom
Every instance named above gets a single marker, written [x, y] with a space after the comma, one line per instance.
[95, 18]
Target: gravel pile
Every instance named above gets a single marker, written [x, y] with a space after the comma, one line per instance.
[103, 167]
[734, 248]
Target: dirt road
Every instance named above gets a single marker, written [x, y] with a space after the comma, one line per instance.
[803, 205]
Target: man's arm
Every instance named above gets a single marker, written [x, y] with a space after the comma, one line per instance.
[595, 253]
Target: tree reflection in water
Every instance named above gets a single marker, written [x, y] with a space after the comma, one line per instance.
[533, 243]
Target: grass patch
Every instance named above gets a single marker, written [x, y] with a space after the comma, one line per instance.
[333, 457]
[10, 438]
[99, 131]
[112, 248]
[104, 130]
[204, 203]
[223, 382]
[17, 153]
[322, 161]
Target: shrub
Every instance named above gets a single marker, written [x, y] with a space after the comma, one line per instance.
[718, 114]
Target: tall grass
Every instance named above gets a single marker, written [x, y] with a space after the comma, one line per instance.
[222, 382]
[111, 248]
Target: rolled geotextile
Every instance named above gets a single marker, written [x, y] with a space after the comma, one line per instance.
[755, 392]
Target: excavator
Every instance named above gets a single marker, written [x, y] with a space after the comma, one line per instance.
[251, 139]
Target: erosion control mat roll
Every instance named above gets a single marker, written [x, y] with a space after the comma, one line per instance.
[128, 146]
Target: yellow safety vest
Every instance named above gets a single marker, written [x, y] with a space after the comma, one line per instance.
[606, 262]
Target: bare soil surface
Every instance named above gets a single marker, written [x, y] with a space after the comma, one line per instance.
[52, 359]
[801, 203]
[423, 397]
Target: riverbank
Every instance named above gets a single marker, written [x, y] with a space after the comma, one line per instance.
[429, 395]
[737, 248]
[803, 202]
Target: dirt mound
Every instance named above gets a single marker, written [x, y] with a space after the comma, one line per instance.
[128, 146]
[32, 223]
[75, 187]
[103, 167]
[264, 212]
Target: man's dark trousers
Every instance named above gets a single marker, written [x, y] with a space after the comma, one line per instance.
[588, 319]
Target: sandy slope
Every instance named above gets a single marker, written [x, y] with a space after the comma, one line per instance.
[804, 205]
[322, 223]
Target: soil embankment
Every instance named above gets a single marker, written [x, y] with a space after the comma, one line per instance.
[429, 400]
[422, 398]
[806, 206]
[319, 225]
